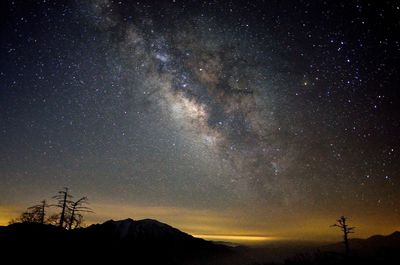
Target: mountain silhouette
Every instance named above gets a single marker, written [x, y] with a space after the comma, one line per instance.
[152, 242]
[140, 242]
[146, 229]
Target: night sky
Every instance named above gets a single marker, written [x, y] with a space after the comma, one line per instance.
[259, 118]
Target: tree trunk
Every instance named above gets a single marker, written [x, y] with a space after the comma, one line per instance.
[42, 212]
[71, 220]
[346, 242]
[62, 217]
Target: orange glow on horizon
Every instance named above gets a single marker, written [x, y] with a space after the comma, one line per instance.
[225, 226]
[237, 238]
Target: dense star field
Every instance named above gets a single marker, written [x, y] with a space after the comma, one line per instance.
[268, 118]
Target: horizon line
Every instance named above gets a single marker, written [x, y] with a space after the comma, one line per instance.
[237, 237]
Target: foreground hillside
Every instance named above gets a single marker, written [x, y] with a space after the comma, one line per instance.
[132, 242]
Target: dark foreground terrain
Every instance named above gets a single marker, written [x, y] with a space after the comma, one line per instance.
[115, 242]
[152, 242]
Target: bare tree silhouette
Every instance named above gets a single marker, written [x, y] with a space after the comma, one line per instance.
[34, 214]
[40, 211]
[69, 218]
[341, 223]
[63, 199]
[25, 217]
[76, 208]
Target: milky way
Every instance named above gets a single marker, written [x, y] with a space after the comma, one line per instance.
[215, 89]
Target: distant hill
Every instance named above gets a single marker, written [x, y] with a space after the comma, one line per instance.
[142, 242]
[372, 243]
[376, 249]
